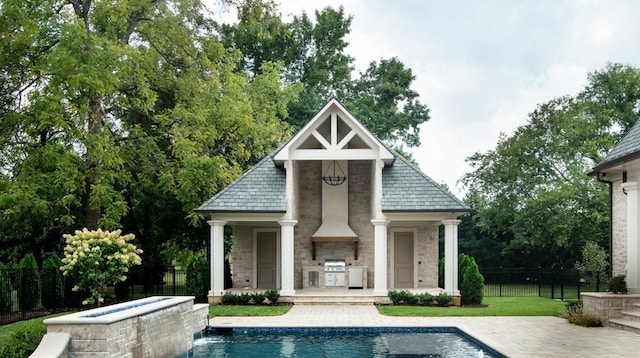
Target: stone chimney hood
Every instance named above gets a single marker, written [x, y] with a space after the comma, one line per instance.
[335, 211]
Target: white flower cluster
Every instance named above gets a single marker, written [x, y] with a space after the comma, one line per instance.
[101, 258]
[101, 249]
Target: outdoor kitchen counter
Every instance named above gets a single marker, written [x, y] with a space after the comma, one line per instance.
[314, 276]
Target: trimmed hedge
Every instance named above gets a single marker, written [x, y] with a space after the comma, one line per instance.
[424, 299]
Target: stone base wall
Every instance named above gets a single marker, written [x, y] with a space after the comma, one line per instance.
[606, 305]
[117, 330]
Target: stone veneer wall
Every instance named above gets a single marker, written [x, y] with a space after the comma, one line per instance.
[360, 199]
[241, 260]
[119, 334]
[309, 210]
[619, 230]
[427, 256]
[608, 306]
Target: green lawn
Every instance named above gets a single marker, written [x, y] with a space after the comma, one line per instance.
[7, 330]
[232, 310]
[495, 306]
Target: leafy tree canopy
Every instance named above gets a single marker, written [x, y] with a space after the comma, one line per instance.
[312, 52]
[531, 192]
[123, 114]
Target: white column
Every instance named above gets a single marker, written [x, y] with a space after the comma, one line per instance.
[380, 257]
[217, 257]
[451, 256]
[287, 256]
[633, 234]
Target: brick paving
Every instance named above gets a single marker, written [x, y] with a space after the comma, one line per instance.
[511, 336]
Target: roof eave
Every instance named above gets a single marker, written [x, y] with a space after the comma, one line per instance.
[603, 166]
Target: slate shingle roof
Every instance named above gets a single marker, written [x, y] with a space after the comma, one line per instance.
[627, 148]
[261, 189]
[405, 188]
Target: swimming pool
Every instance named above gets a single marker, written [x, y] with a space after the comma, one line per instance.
[343, 342]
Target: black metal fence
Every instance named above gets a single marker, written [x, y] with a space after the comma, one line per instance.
[563, 284]
[31, 293]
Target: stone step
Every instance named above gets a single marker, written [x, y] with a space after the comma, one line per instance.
[624, 324]
[631, 315]
[331, 300]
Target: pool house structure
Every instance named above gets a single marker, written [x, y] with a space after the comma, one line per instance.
[335, 211]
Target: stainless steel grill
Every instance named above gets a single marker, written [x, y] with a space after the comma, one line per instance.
[334, 265]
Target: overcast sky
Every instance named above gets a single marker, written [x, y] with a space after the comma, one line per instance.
[482, 66]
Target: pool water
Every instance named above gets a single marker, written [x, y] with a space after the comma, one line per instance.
[341, 342]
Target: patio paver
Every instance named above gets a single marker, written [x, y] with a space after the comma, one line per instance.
[512, 336]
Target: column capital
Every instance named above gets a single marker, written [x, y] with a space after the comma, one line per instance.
[451, 221]
[380, 222]
[630, 186]
[216, 222]
[287, 222]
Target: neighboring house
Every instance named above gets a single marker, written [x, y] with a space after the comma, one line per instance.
[334, 195]
[621, 169]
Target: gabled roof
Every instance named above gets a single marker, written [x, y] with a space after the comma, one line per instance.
[333, 134]
[261, 189]
[628, 148]
[406, 188]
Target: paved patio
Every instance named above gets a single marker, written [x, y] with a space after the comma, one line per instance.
[511, 336]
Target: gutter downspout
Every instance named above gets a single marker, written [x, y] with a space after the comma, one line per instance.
[601, 178]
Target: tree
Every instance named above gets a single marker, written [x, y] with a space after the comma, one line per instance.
[532, 194]
[593, 264]
[28, 289]
[100, 258]
[51, 286]
[471, 283]
[124, 114]
[313, 53]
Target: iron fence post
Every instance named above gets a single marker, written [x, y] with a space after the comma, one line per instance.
[500, 282]
[539, 287]
[173, 269]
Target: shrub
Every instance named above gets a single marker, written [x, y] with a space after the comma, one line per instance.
[406, 297]
[272, 296]
[228, 298]
[102, 258]
[443, 299]
[28, 289]
[575, 314]
[464, 261]
[472, 285]
[257, 298]
[617, 284]
[425, 299]
[254, 298]
[593, 265]
[5, 290]
[24, 340]
[197, 282]
[52, 286]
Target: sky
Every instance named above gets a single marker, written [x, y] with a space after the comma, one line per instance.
[482, 66]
